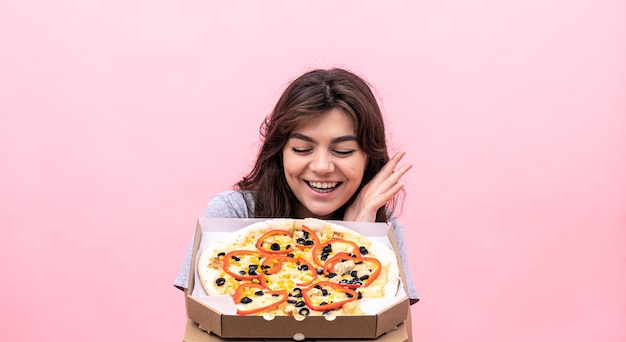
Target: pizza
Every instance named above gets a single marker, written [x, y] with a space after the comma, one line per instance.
[298, 267]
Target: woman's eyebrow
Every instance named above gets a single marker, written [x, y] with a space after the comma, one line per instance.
[311, 140]
[301, 137]
[344, 138]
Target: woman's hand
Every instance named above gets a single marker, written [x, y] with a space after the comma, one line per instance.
[378, 191]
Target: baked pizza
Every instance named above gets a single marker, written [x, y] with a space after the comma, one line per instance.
[298, 268]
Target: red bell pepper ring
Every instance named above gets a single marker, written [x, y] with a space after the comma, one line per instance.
[239, 254]
[274, 263]
[318, 249]
[251, 289]
[330, 263]
[311, 236]
[335, 289]
[261, 244]
[375, 272]
[309, 268]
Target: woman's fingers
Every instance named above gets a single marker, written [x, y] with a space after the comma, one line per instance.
[375, 194]
[389, 176]
[392, 183]
[391, 165]
[386, 183]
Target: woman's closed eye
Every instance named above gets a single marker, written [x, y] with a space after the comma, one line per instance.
[301, 150]
[343, 153]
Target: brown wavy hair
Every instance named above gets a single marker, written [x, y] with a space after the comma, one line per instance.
[310, 95]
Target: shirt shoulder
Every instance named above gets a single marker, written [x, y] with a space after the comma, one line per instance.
[231, 204]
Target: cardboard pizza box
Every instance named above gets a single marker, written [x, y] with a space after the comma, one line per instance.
[193, 333]
[211, 319]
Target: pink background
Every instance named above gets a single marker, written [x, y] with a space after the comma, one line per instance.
[119, 120]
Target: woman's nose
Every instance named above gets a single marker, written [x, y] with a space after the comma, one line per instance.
[322, 163]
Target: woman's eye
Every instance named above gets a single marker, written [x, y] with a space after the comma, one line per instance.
[343, 152]
[301, 150]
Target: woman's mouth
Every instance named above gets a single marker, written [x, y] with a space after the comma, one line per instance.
[323, 187]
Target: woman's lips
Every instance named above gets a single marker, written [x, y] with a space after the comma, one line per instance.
[323, 187]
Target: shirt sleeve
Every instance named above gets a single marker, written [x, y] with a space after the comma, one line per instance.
[228, 204]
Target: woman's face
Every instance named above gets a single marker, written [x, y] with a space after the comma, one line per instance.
[324, 164]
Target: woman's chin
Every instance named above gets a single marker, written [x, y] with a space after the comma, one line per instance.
[321, 213]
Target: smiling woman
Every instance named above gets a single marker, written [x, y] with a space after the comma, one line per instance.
[353, 126]
[324, 164]
[324, 155]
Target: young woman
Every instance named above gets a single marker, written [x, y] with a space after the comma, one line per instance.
[324, 155]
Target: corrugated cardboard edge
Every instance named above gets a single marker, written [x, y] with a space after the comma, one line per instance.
[193, 333]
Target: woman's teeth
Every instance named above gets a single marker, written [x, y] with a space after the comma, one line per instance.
[323, 186]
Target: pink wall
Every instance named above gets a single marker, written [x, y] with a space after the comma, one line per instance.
[120, 119]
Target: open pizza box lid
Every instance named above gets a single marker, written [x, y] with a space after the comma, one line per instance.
[212, 314]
